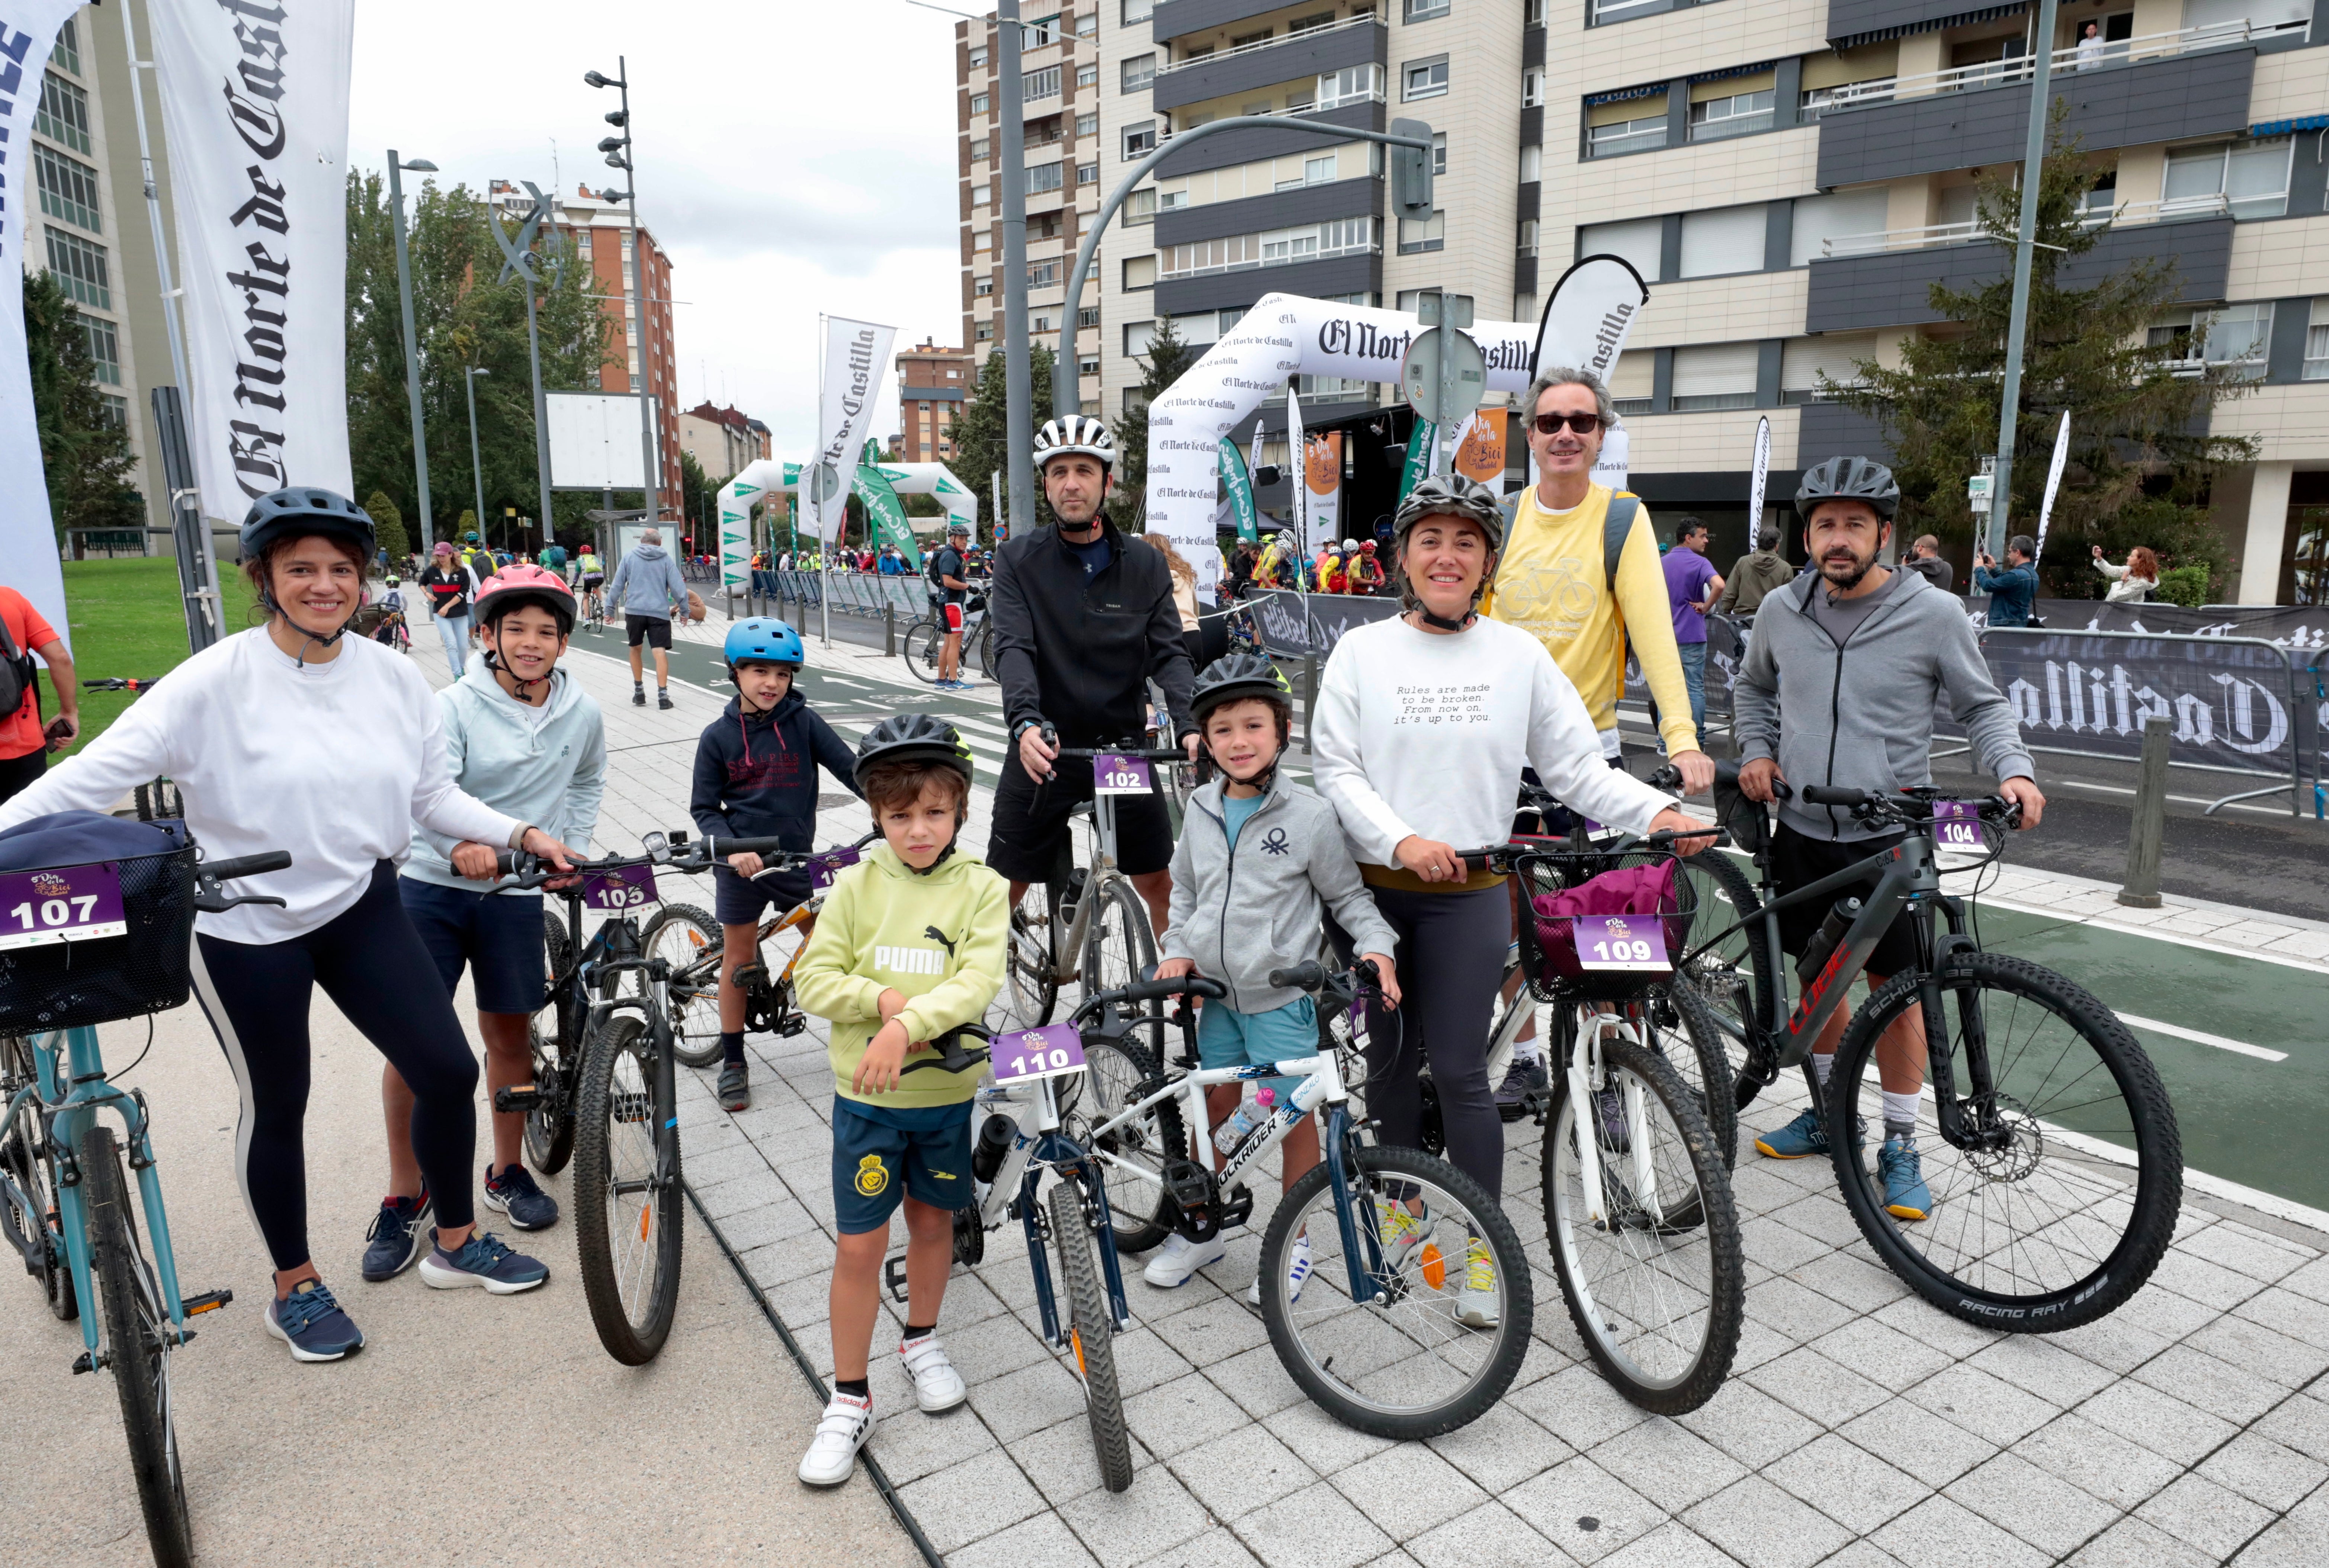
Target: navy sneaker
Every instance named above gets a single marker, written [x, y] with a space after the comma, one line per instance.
[511, 1191]
[395, 1237]
[1799, 1140]
[483, 1260]
[311, 1323]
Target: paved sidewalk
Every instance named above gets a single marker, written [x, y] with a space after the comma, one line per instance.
[1860, 1427]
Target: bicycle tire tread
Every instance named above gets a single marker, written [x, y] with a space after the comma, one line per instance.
[113, 1252]
[632, 1345]
[1095, 1337]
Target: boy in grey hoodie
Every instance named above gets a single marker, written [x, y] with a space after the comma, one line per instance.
[520, 731]
[1839, 688]
[1259, 856]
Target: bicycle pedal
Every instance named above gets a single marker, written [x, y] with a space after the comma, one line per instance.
[790, 1025]
[893, 1275]
[515, 1098]
[628, 1107]
[749, 974]
[208, 1301]
[83, 1363]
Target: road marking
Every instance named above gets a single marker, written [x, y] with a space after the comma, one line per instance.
[2104, 923]
[2200, 1037]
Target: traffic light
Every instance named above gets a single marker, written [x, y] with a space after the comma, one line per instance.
[1410, 170]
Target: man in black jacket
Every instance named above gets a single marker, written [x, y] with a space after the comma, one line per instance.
[1081, 625]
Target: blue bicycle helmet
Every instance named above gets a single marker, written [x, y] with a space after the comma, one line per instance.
[762, 640]
[303, 512]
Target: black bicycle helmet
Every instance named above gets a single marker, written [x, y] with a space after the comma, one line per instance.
[1849, 479]
[911, 737]
[1451, 493]
[301, 512]
[1234, 678]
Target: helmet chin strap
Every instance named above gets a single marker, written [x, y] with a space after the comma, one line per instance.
[494, 663]
[1441, 623]
[319, 639]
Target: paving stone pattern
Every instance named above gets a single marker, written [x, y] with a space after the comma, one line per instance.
[1860, 1428]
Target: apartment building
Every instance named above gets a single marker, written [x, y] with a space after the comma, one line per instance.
[933, 384]
[84, 158]
[600, 233]
[1059, 96]
[722, 439]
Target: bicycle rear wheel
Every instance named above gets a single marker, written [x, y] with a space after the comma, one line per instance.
[549, 1125]
[1732, 974]
[627, 1201]
[1119, 944]
[1137, 1208]
[1649, 1262]
[1090, 1334]
[1683, 1031]
[920, 647]
[1403, 1365]
[2064, 1196]
[691, 942]
[1031, 968]
[136, 1345]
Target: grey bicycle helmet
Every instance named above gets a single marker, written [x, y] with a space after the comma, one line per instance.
[1235, 678]
[1076, 433]
[300, 513]
[1849, 479]
[911, 737]
[1451, 493]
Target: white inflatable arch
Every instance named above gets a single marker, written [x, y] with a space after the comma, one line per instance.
[1283, 335]
[768, 476]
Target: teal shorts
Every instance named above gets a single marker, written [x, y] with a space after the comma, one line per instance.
[1229, 1038]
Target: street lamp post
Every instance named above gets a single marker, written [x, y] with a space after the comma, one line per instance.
[411, 341]
[617, 149]
[2033, 156]
[1019, 413]
[476, 473]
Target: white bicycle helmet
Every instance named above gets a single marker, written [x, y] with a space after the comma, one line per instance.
[1076, 433]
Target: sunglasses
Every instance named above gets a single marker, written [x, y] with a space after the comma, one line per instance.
[1551, 423]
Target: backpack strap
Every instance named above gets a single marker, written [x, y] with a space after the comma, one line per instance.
[1623, 507]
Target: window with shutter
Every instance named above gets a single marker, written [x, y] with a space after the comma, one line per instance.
[1639, 240]
[1821, 221]
[1727, 239]
[1803, 361]
[1715, 376]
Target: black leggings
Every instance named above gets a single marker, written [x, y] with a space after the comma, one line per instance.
[372, 966]
[1451, 960]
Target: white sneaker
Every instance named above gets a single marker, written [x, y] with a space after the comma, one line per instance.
[831, 1456]
[937, 1384]
[1477, 1305]
[1180, 1257]
[1298, 1270]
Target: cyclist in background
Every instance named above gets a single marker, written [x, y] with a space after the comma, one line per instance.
[1910, 645]
[1082, 623]
[522, 735]
[552, 559]
[591, 576]
[949, 588]
[1582, 575]
[292, 735]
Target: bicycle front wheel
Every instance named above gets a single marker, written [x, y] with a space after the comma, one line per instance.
[1092, 1335]
[28, 1206]
[1648, 1252]
[2058, 1197]
[1681, 1028]
[1120, 944]
[549, 1125]
[626, 1198]
[1451, 1301]
[1734, 973]
[1131, 1158]
[688, 939]
[1030, 968]
[921, 648]
[136, 1345]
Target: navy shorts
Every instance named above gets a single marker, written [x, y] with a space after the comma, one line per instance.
[745, 900]
[875, 1163]
[499, 936]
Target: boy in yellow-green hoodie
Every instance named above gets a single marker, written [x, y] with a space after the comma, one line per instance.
[910, 945]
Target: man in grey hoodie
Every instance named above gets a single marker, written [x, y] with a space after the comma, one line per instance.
[647, 583]
[1800, 721]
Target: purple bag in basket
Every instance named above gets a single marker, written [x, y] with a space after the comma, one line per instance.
[1634, 890]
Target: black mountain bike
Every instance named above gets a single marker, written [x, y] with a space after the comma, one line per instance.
[2056, 1173]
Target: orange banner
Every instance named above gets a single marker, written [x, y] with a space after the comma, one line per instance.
[1481, 454]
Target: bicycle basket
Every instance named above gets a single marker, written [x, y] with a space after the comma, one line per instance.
[1564, 890]
[64, 985]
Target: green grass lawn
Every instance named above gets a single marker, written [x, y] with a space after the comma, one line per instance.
[128, 620]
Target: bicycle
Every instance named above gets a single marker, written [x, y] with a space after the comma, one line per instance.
[2041, 1097]
[64, 1200]
[1095, 914]
[594, 609]
[768, 1004]
[1373, 1338]
[158, 801]
[927, 635]
[605, 1087]
[1635, 1181]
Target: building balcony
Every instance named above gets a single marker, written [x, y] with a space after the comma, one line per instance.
[1977, 114]
[1302, 133]
[1172, 18]
[1354, 271]
[1290, 57]
[1892, 287]
[1361, 197]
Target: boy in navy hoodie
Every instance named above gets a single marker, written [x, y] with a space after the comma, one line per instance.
[755, 775]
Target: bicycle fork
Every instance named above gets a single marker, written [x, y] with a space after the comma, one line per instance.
[1586, 1073]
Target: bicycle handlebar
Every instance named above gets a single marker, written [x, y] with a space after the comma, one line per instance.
[1176, 754]
[952, 1057]
[1912, 806]
[1311, 975]
[212, 899]
[685, 858]
[121, 683]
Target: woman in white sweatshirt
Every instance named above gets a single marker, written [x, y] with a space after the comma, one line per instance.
[293, 736]
[2133, 583]
[1423, 726]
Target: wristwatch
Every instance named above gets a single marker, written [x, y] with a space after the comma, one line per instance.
[1019, 729]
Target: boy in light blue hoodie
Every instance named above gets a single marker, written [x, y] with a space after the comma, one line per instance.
[521, 732]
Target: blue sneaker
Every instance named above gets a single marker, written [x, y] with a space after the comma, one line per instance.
[395, 1237]
[511, 1191]
[1906, 1196]
[1799, 1140]
[311, 1323]
[483, 1260]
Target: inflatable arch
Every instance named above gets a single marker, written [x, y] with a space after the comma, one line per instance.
[770, 475]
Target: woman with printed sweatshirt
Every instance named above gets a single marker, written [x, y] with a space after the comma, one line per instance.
[1424, 724]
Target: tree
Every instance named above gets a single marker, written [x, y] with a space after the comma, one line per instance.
[699, 498]
[2139, 466]
[1168, 357]
[388, 523]
[463, 316]
[982, 436]
[84, 454]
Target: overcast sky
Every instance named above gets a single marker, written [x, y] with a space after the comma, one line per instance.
[793, 158]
